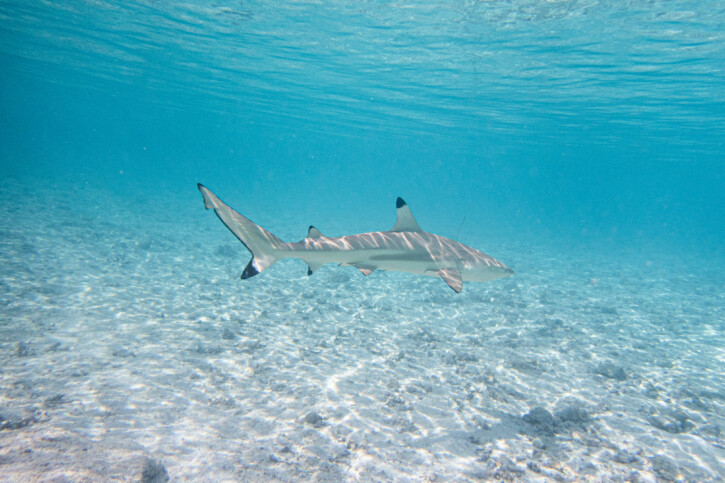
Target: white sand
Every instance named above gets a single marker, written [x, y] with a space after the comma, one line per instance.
[130, 349]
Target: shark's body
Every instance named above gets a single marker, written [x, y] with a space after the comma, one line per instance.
[405, 248]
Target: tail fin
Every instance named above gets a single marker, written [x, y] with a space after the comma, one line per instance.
[259, 241]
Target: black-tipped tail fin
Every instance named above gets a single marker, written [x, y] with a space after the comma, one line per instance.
[256, 239]
[249, 271]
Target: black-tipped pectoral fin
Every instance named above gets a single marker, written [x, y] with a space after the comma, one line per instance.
[452, 278]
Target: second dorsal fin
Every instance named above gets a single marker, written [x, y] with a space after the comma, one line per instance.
[406, 221]
[314, 233]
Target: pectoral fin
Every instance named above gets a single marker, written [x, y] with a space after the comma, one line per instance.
[452, 278]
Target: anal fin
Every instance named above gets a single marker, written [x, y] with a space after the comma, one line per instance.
[312, 267]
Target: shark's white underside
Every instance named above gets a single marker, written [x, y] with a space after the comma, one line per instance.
[405, 248]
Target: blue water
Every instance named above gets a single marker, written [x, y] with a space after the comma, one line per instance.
[605, 116]
[580, 142]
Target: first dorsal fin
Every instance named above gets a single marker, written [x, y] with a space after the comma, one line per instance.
[314, 233]
[406, 221]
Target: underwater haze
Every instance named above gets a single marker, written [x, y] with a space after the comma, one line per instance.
[579, 142]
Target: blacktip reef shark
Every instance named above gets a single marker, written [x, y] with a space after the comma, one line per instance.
[405, 248]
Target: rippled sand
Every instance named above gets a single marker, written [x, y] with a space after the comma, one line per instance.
[130, 349]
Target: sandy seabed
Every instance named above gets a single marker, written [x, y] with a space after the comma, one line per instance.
[130, 350]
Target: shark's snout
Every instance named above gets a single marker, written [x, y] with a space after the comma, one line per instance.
[504, 271]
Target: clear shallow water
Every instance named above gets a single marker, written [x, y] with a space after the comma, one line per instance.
[578, 142]
[604, 116]
[402, 67]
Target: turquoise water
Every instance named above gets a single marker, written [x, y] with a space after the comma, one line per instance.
[580, 142]
[604, 116]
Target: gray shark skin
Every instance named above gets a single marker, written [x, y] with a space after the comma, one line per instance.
[405, 248]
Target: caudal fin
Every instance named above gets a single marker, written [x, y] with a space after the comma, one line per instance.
[259, 241]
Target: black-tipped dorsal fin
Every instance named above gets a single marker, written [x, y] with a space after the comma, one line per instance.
[314, 232]
[406, 221]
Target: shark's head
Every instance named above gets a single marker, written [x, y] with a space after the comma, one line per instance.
[483, 269]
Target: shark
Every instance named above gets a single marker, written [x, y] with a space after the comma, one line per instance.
[405, 248]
